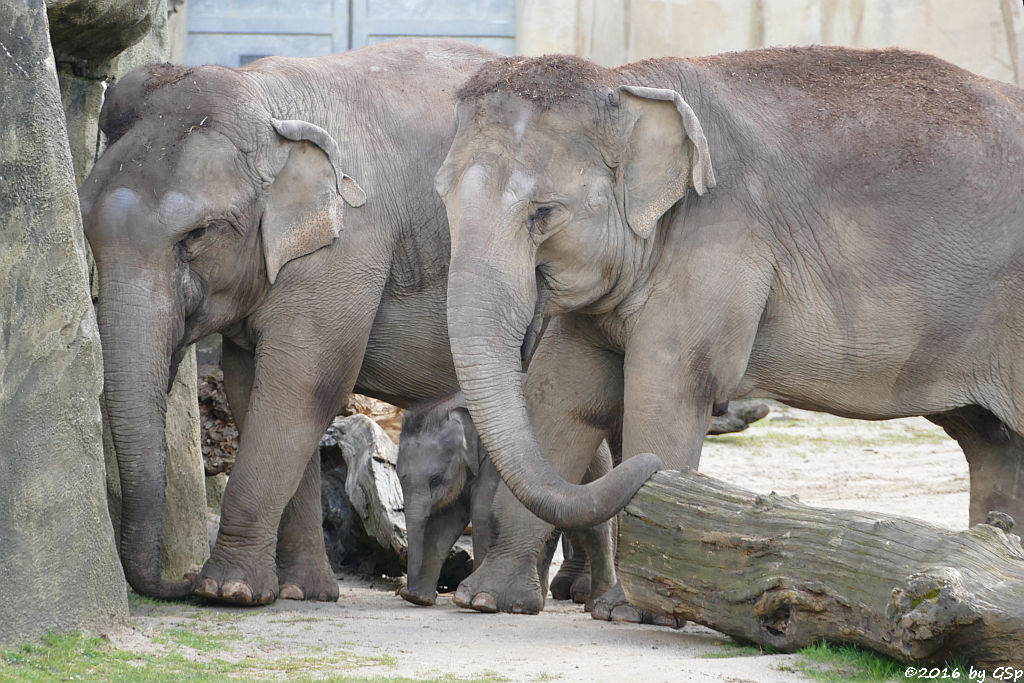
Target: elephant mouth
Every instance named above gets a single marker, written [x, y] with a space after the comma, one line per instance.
[538, 323]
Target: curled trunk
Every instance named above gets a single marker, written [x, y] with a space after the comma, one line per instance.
[487, 322]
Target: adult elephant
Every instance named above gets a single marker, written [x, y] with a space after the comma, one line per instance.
[861, 253]
[219, 207]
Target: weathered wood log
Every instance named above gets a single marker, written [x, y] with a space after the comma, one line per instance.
[770, 570]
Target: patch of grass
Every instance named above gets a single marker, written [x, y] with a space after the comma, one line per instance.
[218, 615]
[201, 642]
[732, 649]
[76, 657]
[848, 664]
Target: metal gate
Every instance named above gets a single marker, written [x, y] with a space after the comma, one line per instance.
[235, 32]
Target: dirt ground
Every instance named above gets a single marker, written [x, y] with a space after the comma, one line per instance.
[905, 467]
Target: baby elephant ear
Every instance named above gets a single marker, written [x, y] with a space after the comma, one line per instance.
[472, 449]
[664, 153]
[303, 208]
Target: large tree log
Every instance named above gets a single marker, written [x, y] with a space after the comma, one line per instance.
[768, 569]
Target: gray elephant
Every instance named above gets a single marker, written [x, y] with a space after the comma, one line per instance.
[447, 481]
[220, 205]
[839, 230]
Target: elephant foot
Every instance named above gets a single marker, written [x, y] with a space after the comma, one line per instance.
[564, 585]
[613, 606]
[561, 585]
[305, 583]
[220, 582]
[232, 593]
[416, 597]
[580, 589]
[496, 587]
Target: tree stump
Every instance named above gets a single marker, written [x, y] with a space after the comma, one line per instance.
[770, 570]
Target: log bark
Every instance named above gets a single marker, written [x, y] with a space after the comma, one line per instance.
[770, 570]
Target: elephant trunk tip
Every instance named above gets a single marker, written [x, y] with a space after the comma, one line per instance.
[613, 492]
[152, 585]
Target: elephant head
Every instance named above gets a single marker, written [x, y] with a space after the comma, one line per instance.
[554, 187]
[206, 192]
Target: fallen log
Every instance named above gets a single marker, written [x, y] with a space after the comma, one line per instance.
[769, 570]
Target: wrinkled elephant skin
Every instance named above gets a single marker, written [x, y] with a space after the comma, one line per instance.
[288, 205]
[840, 230]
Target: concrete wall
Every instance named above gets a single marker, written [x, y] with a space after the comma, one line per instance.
[984, 36]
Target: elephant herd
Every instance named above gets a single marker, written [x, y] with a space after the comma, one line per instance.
[589, 254]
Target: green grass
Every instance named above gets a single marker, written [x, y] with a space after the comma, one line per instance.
[74, 657]
[202, 642]
[732, 649]
[850, 664]
[79, 658]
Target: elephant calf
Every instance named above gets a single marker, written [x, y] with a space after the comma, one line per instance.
[447, 481]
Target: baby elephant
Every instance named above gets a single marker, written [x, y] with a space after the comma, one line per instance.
[448, 480]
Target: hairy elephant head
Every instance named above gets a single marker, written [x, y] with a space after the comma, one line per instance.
[554, 186]
[205, 193]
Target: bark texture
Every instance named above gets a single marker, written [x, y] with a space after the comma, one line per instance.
[58, 562]
[770, 570]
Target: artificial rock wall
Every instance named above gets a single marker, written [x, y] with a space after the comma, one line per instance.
[59, 569]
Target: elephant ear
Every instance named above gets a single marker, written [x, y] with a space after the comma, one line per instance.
[472, 448]
[665, 153]
[303, 208]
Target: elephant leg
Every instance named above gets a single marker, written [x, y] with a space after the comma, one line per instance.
[303, 571]
[239, 368]
[668, 404]
[589, 566]
[995, 458]
[291, 403]
[573, 390]
[574, 562]
[302, 566]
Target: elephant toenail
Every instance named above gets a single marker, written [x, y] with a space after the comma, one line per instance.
[291, 591]
[484, 602]
[462, 599]
[207, 588]
[266, 597]
[236, 591]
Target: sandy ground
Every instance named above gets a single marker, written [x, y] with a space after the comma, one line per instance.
[905, 467]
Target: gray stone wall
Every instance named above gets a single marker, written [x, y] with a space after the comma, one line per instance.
[84, 68]
[58, 563]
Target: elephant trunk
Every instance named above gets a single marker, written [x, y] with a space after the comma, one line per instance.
[137, 340]
[431, 537]
[491, 306]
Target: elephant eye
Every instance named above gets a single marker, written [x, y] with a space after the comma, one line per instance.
[435, 481]
[537, 218]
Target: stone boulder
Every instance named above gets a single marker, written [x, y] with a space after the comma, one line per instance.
[58, 562]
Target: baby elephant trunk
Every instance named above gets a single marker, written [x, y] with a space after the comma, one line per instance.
[431, 537]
